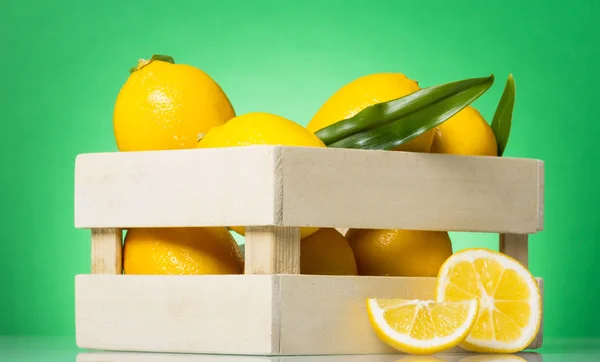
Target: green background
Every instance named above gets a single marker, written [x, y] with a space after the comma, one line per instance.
[64, 62]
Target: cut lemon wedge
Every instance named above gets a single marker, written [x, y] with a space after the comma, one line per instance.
[421, 327]
[509, 299]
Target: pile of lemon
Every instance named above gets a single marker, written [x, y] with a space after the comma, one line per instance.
[166, 106]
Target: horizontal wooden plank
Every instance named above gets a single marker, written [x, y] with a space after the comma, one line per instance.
[345, 188]
[306, 186]
[202, 314]
[286, 314]
[327, 314]
[440, 357]
[203, 187]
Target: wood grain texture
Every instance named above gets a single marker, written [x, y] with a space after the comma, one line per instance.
[107, 251]
[308, 186]
[200, 187]
[272, 250]
[237, 314]
[203, 314]
[515, 246]
[327, 314]
[345, 188]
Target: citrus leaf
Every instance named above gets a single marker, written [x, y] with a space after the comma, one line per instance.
[163, 58]
[423, 112]
[384, 112]
[502, 120]
[143, 62]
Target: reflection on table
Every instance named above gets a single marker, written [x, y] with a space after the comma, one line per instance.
[449, 357]
[64, 349]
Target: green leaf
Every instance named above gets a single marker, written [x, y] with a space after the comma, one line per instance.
[155, 57]
[384, 112]
[418, 113]
[163, 58]
[502, 120]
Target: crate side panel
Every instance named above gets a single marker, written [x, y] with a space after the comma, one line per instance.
[179, 314]
[202, 187]
[404, 190]
[327, 314]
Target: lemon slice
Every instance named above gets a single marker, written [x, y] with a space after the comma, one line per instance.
[421, 327]
[509, 299]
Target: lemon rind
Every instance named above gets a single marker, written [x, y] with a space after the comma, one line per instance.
[407, 344]
[535, 301]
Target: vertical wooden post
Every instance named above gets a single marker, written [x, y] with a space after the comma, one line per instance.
[272, 250]
[107, 251]
[516, 246]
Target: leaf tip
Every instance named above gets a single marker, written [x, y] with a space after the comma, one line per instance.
[511, 80]
[490, 80]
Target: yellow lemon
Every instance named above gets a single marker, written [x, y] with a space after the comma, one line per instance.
[366, 91]
[164, 106]
[181, 251]
[465, 133]
[422, 326]
[399, 252]
[327, 252]
[259, 128]
[509, 299]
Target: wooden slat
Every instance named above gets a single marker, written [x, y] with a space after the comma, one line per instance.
[272, 250]
[208, 313]
[107, 251]
[286, 314]
[327, 314]
[201, 187]
[380, 189]
[305, 186]
[516, 246]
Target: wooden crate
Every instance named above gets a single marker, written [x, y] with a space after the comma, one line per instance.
[274, 190]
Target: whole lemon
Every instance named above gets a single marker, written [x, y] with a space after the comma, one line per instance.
[165, 106]
[327, 252]
[260, 128]
[408, 253]
[193, 250]
[366, 91]
[465, 133]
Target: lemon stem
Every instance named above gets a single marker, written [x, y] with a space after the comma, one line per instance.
[144, 62]
[201, 136]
